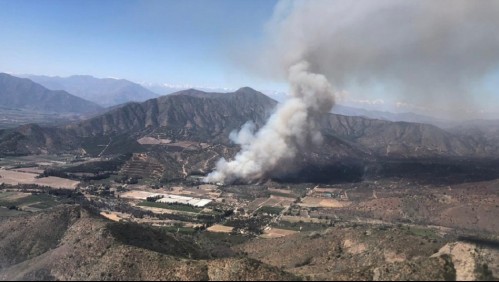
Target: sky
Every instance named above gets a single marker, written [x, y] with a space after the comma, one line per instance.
[177, 42]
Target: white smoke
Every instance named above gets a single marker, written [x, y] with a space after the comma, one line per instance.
[423, 52]
[291, 128]
[426, 50]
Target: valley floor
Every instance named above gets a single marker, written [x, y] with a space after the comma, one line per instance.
[99, 224]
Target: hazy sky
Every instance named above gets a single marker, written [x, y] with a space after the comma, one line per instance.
[181, 42]
[202, 43]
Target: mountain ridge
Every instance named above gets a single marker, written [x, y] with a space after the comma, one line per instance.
[104, 91]
[197, 116]
[23, 93]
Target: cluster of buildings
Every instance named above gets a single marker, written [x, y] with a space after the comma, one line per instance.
[175, 199]
[167, 198]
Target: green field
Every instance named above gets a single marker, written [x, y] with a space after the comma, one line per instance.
[175, 207]
[7, 212]
[42, 201]
[295, 226]
[7, 194]
[285, 195]
[421, 232]
[271, 210]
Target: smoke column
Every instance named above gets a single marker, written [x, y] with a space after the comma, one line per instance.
[433, 53]
[291, 128]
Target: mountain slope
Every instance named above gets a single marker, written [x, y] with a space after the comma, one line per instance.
[105, 92]
[23, 93]
[390, 116]
[185, 115]
[402, 139]
[209, 118]
[69, 243]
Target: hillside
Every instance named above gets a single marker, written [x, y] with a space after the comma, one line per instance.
[187, 115]
[103, 91]
[210, 117]
[69, 243]
[21, 93]
[72, 243]
[187, 132]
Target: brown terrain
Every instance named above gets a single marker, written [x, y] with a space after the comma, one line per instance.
[68, 243]
[379, 200]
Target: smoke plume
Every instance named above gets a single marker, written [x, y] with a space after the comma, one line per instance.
[291, 128]
[433, 53]
[426, 51]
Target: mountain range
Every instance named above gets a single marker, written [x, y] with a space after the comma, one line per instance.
[210, 117]
[24, 94]
[103, 91]
[187, 132]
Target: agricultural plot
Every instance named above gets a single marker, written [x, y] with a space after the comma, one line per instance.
[153, 141]
[137, 195]
[34, 170]
[114, 216]
[273, 201]
[302, 226]
[217, 228]
[270, 210]
[295, 219]
[27, 201]
[282, 193]
[276, 233]
[35, 160]
[5, 212]
[167, 198]
[313, 202]
[16, 177]
[176, 207]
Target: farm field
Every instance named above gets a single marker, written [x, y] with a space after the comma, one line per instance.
[273, 201]
[5, 212]
[313, 202]
[217, 228]
[277, 233]
[12, 177]
[27, 201]
[182, 208]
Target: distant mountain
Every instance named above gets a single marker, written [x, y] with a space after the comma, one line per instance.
[103, 91]
[22, 93]
[165, 88]
[389, 116]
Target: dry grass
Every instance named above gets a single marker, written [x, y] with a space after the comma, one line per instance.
[111, 216]
[283, 192]
[277, 233]
[137, 195]
[153, 141]
[30, 170]
[217, 228]
[312, 202]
